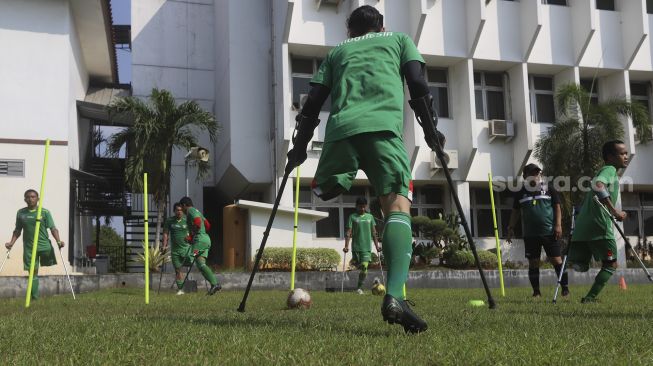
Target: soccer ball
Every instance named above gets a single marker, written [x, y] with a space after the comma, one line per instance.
[378, 288]
[299, 299]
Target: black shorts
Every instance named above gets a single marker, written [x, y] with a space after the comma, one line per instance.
[534, 246]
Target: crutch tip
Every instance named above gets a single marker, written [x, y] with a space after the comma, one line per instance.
[492, 305]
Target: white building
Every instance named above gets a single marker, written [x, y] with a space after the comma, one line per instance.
[57, 56]
[249, 62]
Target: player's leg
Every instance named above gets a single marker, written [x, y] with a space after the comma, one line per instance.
[207, 272]
[554, 254]
[533, 249]
[27, 261]
[177, 262]
[606, 251]
[365, 259]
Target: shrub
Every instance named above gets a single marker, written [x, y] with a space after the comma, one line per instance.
[308, 259]
[460, 259]
[488, 259]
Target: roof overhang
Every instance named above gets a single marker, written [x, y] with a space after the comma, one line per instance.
[93, 21]
[97, 99]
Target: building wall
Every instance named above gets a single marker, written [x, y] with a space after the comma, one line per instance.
[41, 81]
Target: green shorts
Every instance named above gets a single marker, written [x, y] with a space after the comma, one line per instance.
[44, 257]
[581, 252]
[179, 260]
[360, 257]
[201, 246]
[381, 155]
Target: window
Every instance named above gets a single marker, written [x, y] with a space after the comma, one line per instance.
[649, 6]
[555, 2]
[592, 87]
[541, 90]
[489, 92]
[427, 201]
[12, 168]
[639, 207]
[338, 208]
[605, 4]
[302, 70]
[439, 87]
[639, 92]
[482, 223]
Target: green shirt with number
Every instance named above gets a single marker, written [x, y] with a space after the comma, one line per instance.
[361, 231]
[593, 222]
[26, 222]
[364, 76]
[177, 230]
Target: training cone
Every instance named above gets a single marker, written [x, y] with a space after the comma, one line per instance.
[622, 283]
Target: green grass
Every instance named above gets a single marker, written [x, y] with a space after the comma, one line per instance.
[116, 327]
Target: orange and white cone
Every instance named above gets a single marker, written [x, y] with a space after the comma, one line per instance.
[622, 283]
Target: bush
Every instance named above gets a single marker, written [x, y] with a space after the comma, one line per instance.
[488, 259]
[460, 259]
[308, 259]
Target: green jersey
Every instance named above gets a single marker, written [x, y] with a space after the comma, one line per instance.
[536, 205]
[593, 222]
[177, 230]
[361, 231]
[26, 222]
[367, 91]
[199, 235]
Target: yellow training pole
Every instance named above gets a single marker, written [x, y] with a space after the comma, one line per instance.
[147, 243]
[294, 233]
[496, 234]
[28, 296]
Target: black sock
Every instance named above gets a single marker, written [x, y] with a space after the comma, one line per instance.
[534, 277]
[564, 280]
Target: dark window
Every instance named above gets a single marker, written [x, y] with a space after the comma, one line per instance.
[434, 213]
[302, 70]
[430, 195]
[304, 194]
[647, 219]
[328, 227]
[649, 6]
[605, 4]
[489, 95]
[631, 224]
[438, 86]
[353, 194]
[555, 2]
[414, 212]
[542, 107]
[592, 87]
[639, 92]
[485, 226]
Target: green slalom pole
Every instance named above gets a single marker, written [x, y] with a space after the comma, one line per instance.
[28, 296]
[294, 234]
[496, 234]
[147, 244]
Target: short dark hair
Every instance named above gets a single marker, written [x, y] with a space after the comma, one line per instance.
[186, 201]
[175, 205]
[361, 201]
[31, 191]
[364, 19]
[610, 148]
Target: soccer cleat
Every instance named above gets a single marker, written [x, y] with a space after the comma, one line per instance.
[360, 292]
[537, 293]
[565, 291]
[588, 300]
[399, 312]
[214, 289]
[180, 292]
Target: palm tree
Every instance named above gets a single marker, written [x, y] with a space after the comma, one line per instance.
[573, 146]
[159, 126]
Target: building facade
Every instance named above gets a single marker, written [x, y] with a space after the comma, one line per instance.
[492, 65]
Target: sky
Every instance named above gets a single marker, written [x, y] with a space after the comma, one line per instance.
[122, 15]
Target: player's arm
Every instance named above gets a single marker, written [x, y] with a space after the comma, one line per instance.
[55, 234]
[15, 234]
[422, 103]
[515, 215]
[165, 237]
[347, 239]
[601, 192]
[306, 121]
[557, 214]
[375, 237]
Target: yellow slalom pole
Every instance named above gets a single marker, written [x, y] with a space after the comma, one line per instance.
[496, 234]
[147, 243]
[294, 234]
[28, 296]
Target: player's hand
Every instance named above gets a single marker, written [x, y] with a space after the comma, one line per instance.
[557, 232]
[620, 215]
[378, 249]
[189, 239]
[510, 235]
[345, 249]
[196, 252]
[8, 245]
[61, 244]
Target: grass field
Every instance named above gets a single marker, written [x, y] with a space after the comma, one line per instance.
[116, 327]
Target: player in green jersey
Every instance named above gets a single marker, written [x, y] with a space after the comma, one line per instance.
[175, 231]
[593, 234]
[26, 222]
[200, 242]
[361, 231]
[538, 204]
[364, 76]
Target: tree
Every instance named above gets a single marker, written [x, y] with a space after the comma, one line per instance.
[573, 146]
[108, 237]
[159, 126]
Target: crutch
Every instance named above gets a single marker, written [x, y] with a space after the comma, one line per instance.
[342, 282]
[564, 260]
[5, 260]
[381, 266]
[65, 267]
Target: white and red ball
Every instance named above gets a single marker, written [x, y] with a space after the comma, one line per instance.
[299, 299]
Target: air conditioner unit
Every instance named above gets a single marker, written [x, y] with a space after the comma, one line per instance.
[638, 139]
[451, 159]
[501, 128]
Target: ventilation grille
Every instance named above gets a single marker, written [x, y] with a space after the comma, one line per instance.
[12, 168]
